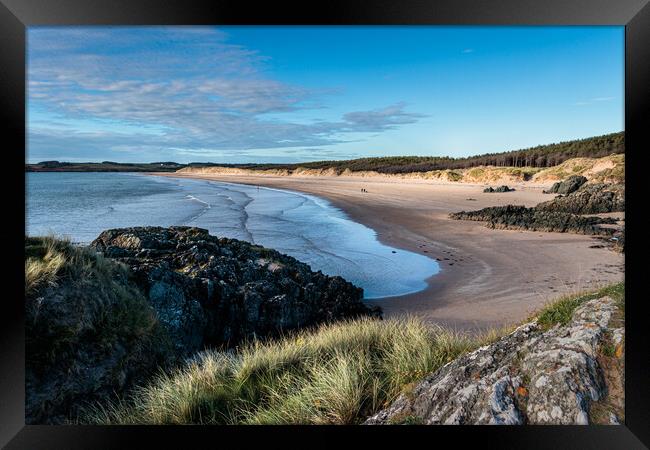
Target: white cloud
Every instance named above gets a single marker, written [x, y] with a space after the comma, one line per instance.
[205, 94]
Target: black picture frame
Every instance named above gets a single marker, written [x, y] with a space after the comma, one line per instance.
[16, 15]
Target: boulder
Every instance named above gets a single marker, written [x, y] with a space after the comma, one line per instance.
[567, 186]
[531, 376]
[503, 188]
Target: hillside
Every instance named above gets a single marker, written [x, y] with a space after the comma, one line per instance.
[609, 169]
[105, 166]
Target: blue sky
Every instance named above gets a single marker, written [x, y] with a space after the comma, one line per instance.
[291, 94]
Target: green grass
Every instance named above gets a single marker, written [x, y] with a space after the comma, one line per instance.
[608, 348]
[561, 311]
[338, 374]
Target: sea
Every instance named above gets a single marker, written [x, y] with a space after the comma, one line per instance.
[81, 205]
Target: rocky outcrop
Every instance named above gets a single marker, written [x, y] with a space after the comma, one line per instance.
[563, 214]
[531, 376]
[96, 326]
[589, 199]
[567, 186]
[210, 291]
[503, 188]
[533, 219]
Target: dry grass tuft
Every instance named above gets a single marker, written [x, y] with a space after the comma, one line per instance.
[337, 374]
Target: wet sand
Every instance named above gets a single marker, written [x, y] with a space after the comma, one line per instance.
[487, 277]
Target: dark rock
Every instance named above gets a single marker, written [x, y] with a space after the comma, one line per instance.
[589, 199]
[523, 218]
[210, 291]
[562, 214]
[503, 188]
[567, 186]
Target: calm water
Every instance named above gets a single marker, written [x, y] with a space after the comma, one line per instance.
[81, 205]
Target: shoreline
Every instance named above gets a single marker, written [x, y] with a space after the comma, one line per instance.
[487, 278]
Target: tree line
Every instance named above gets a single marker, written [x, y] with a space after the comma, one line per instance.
[539, 156]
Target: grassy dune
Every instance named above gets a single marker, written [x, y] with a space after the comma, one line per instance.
[606, 169]
[609, 169]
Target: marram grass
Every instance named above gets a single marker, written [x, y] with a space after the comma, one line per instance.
[337, 374]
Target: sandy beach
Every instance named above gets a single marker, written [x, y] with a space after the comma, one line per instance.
[487, 277]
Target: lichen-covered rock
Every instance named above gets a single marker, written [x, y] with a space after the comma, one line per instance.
[531, 376]
[211, 291]
[567, 186]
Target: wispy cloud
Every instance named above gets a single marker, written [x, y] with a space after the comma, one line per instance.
[202, 92]
[594, 100]
[379, 119]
